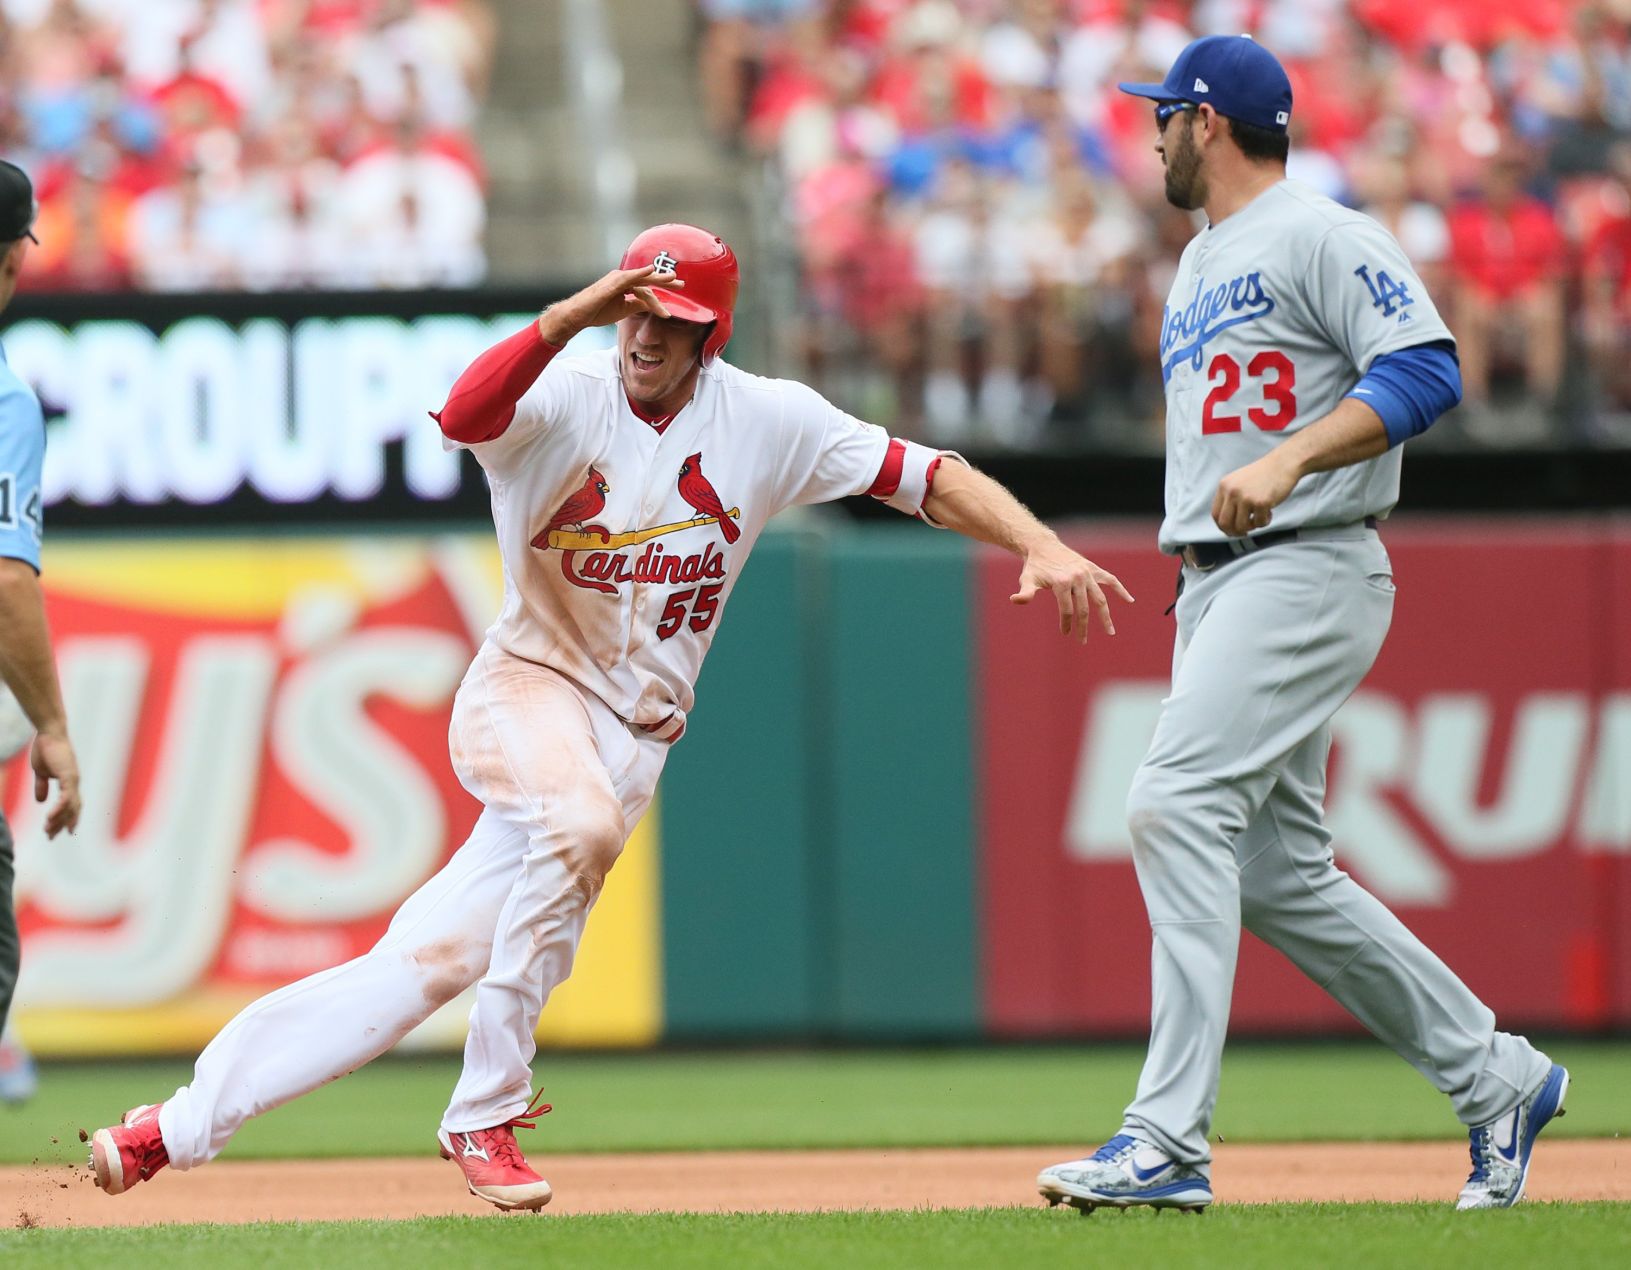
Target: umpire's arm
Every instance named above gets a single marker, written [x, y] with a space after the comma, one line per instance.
[29, 671]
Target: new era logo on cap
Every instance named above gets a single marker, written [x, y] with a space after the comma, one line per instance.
[1201, 86]
[1282, 117]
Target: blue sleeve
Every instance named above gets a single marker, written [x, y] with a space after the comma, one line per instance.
[1411, 388]
[22, 457]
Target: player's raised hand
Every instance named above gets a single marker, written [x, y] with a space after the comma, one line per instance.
[1078, 587]
[617, 295]
[1247, 497]
[52, 758]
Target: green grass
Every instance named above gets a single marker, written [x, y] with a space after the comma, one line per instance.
[1282, 1235]
[691, 1101]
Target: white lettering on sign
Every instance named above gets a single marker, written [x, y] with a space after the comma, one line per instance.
[361, 776]
[204, 410]
[158, 880]
[163, 881]
[1561, 775]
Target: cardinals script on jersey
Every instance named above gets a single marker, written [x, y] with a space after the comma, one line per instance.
[621, 540]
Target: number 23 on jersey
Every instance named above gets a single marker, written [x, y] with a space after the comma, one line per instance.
[1272, 371]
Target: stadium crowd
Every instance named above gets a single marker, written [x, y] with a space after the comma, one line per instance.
[985, 249]
[181, 145]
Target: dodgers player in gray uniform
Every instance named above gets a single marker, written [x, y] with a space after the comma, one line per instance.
[31, 700]
[1298, 350]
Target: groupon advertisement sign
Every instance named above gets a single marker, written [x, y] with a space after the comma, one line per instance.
[262, 732]
[199, 412]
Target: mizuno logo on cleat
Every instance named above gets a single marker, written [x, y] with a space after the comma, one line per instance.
[471, 1149]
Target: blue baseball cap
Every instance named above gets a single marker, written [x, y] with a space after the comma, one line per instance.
[1236, 74]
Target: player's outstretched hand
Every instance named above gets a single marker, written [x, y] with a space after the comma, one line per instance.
[619, 294]
[1247, 497]
[1078, 586]
[52, 758]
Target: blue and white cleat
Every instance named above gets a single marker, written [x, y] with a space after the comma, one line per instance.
[1125, 1172]
[1500, 1149]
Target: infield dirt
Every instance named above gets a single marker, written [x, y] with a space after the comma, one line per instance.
[760, 1181]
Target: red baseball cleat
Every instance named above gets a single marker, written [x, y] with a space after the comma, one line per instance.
[130, 1152]
[494, 1168]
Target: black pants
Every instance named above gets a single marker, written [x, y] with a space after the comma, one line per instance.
[10, 945]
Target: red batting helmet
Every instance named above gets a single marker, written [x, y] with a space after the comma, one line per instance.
[705, 264]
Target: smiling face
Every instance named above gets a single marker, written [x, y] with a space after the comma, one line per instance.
[659, 359]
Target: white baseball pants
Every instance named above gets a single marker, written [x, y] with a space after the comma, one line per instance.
[564, 781]
[1226, 816]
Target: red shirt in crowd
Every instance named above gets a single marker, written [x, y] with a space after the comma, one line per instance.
[1608, 257]
[1507, 253]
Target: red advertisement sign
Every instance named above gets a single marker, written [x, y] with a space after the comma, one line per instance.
[262, 735]
[1480, 784]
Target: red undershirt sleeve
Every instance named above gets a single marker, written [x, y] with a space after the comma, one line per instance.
[482, 402]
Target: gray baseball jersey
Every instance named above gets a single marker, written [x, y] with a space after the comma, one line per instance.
[1275, 314]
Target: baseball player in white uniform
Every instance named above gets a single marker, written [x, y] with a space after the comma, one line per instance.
[1298, 349]
[628, 487]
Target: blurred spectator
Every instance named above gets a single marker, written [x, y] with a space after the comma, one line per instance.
[183, 237]
[1382, 180]
[1507, 262]
[414, 199]
[82, 232]
[1086, 258]
[732, 51]
[863, 292]
[249, 143]
[972, 261]
[1606, 308]
[406, 65]
[990, 132]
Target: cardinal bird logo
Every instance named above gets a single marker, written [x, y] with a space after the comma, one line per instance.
[579, 509]
[696, 489]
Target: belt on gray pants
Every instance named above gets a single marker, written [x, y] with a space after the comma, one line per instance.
[1206, 556]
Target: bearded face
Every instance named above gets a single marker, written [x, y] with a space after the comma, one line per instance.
[1186, 184]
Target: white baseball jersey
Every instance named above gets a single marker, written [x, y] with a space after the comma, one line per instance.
[617, 557]
[1274, 315]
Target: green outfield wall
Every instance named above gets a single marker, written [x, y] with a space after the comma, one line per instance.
[818, 818]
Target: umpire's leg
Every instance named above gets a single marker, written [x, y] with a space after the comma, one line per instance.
[10, 945]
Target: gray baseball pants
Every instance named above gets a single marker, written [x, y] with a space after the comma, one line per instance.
[10, 945]
[1226, 819]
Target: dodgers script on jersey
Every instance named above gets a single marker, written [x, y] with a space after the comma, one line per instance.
[1274, 315]
[621, 544]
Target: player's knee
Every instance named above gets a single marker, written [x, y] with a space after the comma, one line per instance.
[1144, 802]
[446, 967]
[1156, 802]
[593, 838]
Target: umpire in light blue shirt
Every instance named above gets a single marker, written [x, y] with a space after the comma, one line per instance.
[26, 664]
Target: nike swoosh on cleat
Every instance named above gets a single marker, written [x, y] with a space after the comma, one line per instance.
[1509, 1152]
[1144, 1175]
